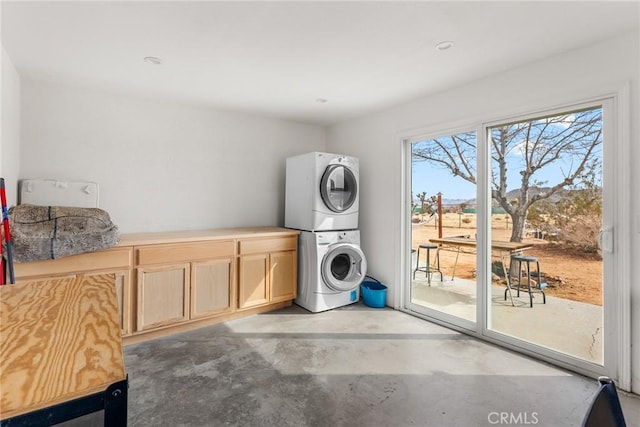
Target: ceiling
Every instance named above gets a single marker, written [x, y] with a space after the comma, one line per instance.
[279, 59]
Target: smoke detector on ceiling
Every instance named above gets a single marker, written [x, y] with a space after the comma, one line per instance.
[152, 60]
[444, 45]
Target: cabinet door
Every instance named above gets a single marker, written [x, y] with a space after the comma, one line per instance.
[163, 296]
[253, 286]
[123, 290]
[123, 293]
[283, 277]
[211, 287]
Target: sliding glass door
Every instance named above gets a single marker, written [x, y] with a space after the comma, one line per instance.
[510, 233]
[443, 206]
[547, 178]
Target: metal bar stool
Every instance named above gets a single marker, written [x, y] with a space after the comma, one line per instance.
[519, 260]
[428, 268]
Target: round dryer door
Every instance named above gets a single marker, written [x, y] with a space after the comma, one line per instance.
[343, 267]
[338, 188]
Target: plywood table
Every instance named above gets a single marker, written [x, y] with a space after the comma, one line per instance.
[61, 352]
[496, 245]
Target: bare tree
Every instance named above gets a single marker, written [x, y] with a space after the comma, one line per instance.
[422, 197]
[426, 204]
[569, 142]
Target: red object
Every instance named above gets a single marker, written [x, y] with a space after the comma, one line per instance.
[1, 263]
[7, 231]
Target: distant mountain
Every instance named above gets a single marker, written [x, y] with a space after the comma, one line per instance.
[515, 193]
[453, 202]
[449, 202]
[537, 190]
[556, 197]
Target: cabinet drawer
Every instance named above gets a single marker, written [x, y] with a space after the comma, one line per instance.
[255, 246]
[115, 258]
[157, 254]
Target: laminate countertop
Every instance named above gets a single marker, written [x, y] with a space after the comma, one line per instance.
[136, 239]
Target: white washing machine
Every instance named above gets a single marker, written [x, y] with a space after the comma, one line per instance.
[331, 267]
[322, 192]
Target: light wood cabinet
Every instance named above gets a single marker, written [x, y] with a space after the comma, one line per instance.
[268, 271]
[283, 270]
[163, 296]
[253, 288]
[211, 287]
[201, 285]
[111, 259]
[173, 281]
[188, 251]
[116, 261]
[123, 296]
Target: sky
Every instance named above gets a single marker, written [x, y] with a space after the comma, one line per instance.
[432, 178]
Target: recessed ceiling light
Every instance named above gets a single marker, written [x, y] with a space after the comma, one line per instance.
[444, 45]
[152, 60]
[321, 100]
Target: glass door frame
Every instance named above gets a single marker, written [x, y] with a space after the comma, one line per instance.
[616, 222]
[433, 315]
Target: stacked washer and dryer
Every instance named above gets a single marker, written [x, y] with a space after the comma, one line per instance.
[322, 201]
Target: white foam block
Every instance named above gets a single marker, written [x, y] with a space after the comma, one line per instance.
[51, 192]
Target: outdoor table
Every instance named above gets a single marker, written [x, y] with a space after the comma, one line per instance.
[61, 351]
[501, 247]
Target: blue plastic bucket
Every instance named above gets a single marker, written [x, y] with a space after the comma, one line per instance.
[374, 294]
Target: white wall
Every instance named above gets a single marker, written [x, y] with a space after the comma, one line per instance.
[596, 70]
[161, 166]
[10, 128]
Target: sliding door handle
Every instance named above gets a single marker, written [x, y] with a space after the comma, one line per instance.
[605, 240]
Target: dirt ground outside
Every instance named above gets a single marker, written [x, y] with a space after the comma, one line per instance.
[569, 272]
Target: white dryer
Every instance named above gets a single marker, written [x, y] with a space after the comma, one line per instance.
[331, 267]
[322, 192]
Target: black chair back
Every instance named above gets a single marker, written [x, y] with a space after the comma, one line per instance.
[605, 409]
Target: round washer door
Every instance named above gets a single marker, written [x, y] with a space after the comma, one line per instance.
[338, 188]
[343, 267]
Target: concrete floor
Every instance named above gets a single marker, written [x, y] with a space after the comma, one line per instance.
[353, 366]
